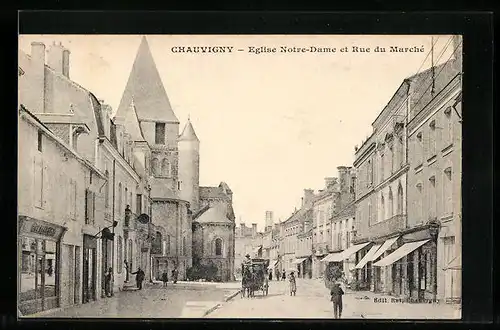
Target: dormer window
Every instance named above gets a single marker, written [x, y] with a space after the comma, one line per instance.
[160, 133]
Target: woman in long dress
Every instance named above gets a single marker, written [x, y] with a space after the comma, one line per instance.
[293, 284]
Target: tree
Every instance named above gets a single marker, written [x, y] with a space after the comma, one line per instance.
[333, 273]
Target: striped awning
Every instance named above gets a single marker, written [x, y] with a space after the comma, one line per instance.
[299, 260]
[272, 264]
[368, 256]
[400, 253]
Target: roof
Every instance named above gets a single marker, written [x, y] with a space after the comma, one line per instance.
[188, 133]
[132, 123]
[96, 105]
[225, 187]
[214, 214]
[212, 192]
[146, 89]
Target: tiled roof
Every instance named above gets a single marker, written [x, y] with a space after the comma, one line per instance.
[214, 214]
[212, 192]
[145, 87]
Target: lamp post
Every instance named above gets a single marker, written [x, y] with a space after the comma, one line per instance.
[128, 213]
[434, 232]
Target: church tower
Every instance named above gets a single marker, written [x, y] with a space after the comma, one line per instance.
[160, 126]
[189, 166]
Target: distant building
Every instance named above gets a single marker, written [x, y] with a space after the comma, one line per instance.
[247, 241]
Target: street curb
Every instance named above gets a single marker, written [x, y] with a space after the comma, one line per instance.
[228, 298]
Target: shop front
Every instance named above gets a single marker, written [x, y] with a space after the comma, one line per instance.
[410, 270]
[39, 265]
[89, 268]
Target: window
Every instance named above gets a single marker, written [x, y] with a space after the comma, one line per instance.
[178, 185]
[126, 197]
[419, 148]
[448, 138]
[155, 165]
[382, 207]
[393, 163]
[89, 207]
[419, 202]
[138, 204]
[106, 190]
[432, 197]
[40, 140]
[120, 202]
[447, 192]
[400, 199]
[391, 203]
[119, 254]
[218, 247]
[160, 133]
[184, 246]
[382, 167]
[167, 245]
[72, 199]
[369, 213]
[38, 167]
[165, 168]
[432, 138]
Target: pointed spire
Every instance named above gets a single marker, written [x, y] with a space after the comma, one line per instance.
[146, 89]
[132, 125]
[188, 133]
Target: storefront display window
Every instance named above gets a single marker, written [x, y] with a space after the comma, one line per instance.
[38, 277]
[38, 285]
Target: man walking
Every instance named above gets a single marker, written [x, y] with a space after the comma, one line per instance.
[336, 298]
[139, 277]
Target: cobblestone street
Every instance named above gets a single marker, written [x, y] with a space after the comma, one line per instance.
[153, 301]
[312, 301]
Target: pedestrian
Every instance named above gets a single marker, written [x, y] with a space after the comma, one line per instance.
[125, 265]
[139, 277]
[107, 282]
[293, 284]
[164, 278]
[174, 275]
[336, 298]
[278, 275]
[270, 276]
[283, 275]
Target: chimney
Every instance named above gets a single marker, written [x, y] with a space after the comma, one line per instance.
[38, 74]
[308, 197]
[343, 177]
[269, 219]
[254, 229]
[65, 68]
[330, 182]
[55, 57]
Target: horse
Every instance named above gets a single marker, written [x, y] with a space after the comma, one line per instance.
[247, 283]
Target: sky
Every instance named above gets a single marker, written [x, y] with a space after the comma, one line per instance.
[270, 124]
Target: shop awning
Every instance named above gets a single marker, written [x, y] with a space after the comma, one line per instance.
[368, 256]
[386, 246]
[299, 260]
[333, 257]
[455, 264]
[400, 253]
[346, 254]
[272, 264]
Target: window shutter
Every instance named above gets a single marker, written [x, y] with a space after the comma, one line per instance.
[93, 208]
[86, 206]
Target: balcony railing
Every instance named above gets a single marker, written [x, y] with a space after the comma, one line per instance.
[386, 227]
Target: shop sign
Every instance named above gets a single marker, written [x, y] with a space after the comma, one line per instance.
[40, 229]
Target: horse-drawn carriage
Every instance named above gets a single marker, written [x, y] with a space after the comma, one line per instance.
[255, 277]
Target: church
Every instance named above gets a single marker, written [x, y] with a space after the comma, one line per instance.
[194, 224]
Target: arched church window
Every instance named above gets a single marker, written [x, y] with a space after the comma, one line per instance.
[155, 165]
[218, 247]
[165, 168]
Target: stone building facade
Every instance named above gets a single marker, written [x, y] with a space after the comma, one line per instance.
[124, 208]
[407, 192]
